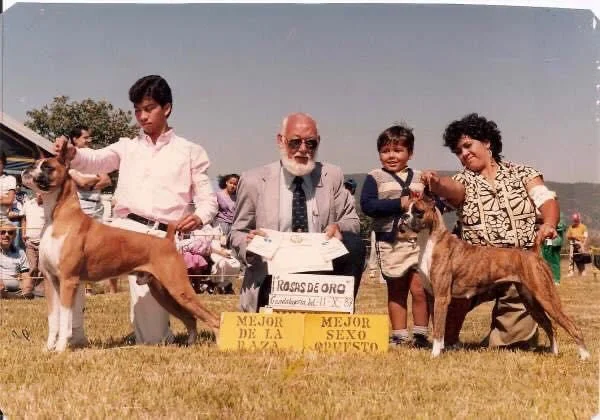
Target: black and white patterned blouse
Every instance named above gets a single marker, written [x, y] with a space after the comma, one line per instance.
[501, 215]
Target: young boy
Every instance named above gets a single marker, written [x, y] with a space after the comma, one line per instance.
[384, 197]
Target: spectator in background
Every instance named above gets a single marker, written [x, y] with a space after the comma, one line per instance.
[350, 185]
[204, 255]
[551, 250]
[577, 234]
[89, 186]
[8, 187]
[32, 224]
[15, 214]
[226, 200]
[15, 280]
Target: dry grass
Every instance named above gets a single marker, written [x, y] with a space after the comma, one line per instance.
[110, 379]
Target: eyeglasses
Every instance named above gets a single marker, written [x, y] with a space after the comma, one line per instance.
[311, 143]
[7, 232]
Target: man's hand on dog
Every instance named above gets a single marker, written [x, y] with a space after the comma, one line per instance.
[61, 142]
[188, 223]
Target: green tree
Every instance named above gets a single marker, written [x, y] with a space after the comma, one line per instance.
[58, 118]
[106, 122]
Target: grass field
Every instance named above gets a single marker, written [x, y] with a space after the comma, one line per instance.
[111, 379]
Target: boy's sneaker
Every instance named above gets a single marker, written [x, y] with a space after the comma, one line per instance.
[396, 341]
[420, 341]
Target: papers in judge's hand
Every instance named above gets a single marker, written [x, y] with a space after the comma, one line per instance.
[292, 252]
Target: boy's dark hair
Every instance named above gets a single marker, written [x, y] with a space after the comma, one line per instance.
[478, 128]
[76, 132]
[397, 134]
[154, 87]
[223, 179]
[3, 157]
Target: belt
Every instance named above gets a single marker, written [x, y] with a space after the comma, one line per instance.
[147, 222]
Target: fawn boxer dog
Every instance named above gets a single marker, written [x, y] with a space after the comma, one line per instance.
[75, 247]
[455, 268]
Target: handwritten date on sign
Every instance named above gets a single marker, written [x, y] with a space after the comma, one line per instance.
[312, 292]
[247, 331]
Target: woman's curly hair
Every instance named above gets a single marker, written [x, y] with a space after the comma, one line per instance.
[478, 128]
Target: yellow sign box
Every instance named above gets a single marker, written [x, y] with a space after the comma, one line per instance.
[343, 333]
[250, 331]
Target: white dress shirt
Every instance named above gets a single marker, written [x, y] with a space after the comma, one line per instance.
[157, 181]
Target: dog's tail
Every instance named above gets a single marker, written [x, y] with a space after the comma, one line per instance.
[171, 231]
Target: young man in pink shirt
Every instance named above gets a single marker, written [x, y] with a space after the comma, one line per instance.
[160, 174]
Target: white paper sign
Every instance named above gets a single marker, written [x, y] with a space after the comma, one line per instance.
[299, 252]
[332, 248]
[312, 292]
[265, 246]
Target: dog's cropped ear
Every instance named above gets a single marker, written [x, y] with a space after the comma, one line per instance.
[428, 196]
[63, 155]
[427, 193]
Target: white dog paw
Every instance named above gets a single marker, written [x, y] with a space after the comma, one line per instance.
[438, 345]
[61, 345]
[584, 354]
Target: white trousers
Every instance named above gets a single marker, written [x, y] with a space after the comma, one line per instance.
[150, 320]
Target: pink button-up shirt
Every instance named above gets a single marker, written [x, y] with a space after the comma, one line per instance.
[157, 181]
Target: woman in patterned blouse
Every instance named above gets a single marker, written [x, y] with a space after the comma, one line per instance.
[496, 204]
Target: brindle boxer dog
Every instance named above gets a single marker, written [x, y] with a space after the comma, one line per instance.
[457, 269]
[74, 247]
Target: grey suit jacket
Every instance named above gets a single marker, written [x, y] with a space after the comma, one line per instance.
[257, 206]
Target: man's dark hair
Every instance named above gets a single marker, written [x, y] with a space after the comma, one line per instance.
[223, 179]
[397, 134]
[478, 128]
[77, 131]
[154, 87]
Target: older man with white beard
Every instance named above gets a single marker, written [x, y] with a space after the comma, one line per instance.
[297, 194]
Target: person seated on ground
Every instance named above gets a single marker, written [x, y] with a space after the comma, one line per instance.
[577, 234]
[225, 267]
[8, 187]
[15, 281]
[195, 249]
[204, 255]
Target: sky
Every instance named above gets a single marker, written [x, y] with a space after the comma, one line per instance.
[237, 69]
